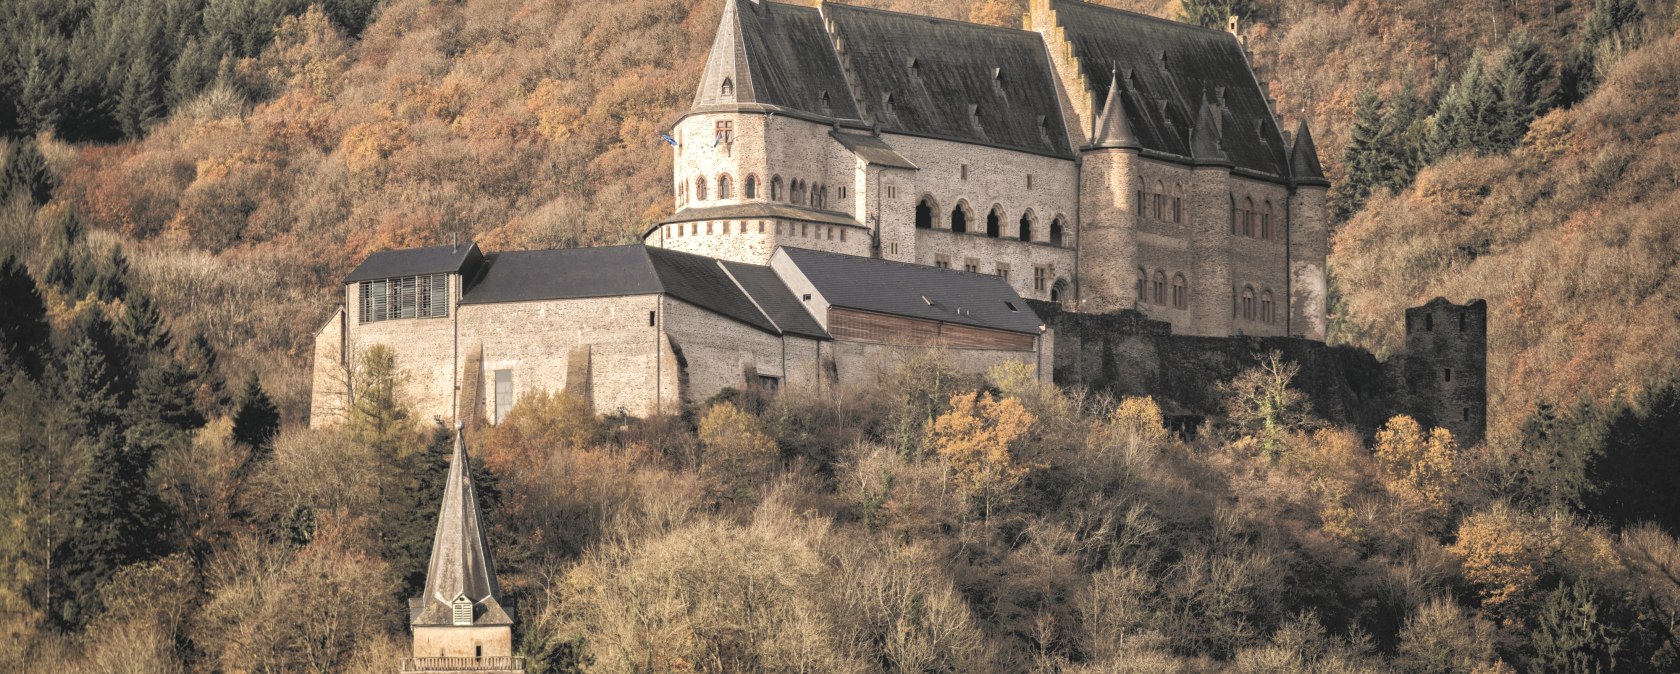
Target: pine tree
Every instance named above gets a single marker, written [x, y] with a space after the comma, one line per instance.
[1410, 127]
[1213, 13]
[142, 326]
[1467, 118]
[26, 173]
[139, 101]
[23, 319]
[200, 357]
[1611, 20]
[1371, 158]
[1522, 76]
[256, 420]
[40, 94]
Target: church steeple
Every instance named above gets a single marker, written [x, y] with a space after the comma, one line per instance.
[459, 614]
[1113, 128]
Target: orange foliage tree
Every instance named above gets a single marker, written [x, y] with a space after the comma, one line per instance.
[977, 437]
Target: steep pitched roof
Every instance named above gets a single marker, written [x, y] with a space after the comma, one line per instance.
[1171, 66]
[914, 290]
[1303, 159]
[461, 564]
[1114, 125]
[1207, 146]
[416, 261]
[774, 299]
[775, 55]
[951, 79]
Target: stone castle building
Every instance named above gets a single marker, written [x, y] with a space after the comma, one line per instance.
[1098, 158]
[458, 620]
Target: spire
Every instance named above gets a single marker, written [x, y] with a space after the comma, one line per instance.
[727, 79]
[1207, 147]
[1303, 159]
[461, 565]
[1113, 129]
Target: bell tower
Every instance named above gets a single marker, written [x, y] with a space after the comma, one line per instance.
[458, 620]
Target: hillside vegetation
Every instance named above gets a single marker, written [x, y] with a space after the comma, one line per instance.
[185, 181]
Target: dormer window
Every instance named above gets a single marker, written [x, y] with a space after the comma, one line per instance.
[462, 610]
[888, 106]
[826, 108]
[728, 88]
[974, 115]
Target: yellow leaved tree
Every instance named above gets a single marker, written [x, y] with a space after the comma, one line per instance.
[1422, 469]
[977, 438]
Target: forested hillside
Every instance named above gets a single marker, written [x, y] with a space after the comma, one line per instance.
[185, 181]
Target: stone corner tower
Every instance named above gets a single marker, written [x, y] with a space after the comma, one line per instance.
[458, 620]
[1446, 367]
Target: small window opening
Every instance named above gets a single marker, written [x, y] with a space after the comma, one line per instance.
[504, 394]
[1462, 324]
[1429, 322]
[651, 316]
[959, 220]
[924, 214]
[478, 650]
[728, 87]
[1464, 414]
[1446, 373]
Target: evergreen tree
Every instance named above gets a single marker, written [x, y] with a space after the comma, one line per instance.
[24, 330]
[139, 101]
[1579, 631]
[1371, 158]
[377, 417]
[1213, 13]
[142, 326]
[116, 519]
[1611, 20]
[1633, 477]
[1523, 75]
[115, 368]
[26, 173]
[1468, 116]
[200, 357]
[40, 96]
[256, 419]
[1410, 127]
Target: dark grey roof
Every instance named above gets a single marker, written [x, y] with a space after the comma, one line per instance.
[937, 71]
[614, 271]
[773, 297]
[461, 563]
[872, 149]
[1114, 125]
[415, 261]
[760, 209]
[1303, 159]
[899, 288]
[777, 55]
[1167, 68]
[1206, 146]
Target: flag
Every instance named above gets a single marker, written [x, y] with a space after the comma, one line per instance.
[668, 139]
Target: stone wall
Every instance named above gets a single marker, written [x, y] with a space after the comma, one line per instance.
[330, 381]
[754, 240]
[448, 641]
[425, 351]
[1446, 371]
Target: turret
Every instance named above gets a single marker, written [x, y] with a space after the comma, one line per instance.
[1309, 240]
[1108, 208]
[458, 620]
[1212, 289]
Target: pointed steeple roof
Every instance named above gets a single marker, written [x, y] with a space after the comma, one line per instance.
[1207, 147]
[727, 77]
[1303, 159]
[1113, 126]
[461, 564]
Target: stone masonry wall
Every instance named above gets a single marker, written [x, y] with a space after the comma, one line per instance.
[424, 349]
[448, 641]
[329, 382]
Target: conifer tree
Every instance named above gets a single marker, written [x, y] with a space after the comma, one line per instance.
[1372, 158]
[26, 173]
[200, 357]
[1468, 116]
[142, 326]
[1408, 124]
[1523, 74]
[139, 102]
[1611, 20]
[23, 319]
[256, 419]
[1213, 13]
[40, 96]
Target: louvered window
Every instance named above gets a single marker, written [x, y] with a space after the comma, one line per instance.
[463, 610]
[425, 296]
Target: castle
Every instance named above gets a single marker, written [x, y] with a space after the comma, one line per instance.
[851, 185]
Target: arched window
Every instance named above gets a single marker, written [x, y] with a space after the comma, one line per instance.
[1232, 211]
[1157, 202]
[796, 191]
[924, 213]
[1160, 287]
[728, 88]
[816, 196]
[1026, 227]
[1177, 203]
[1266, 221]
[1267, 314]
[725, 187]
[1180, 292]
[750, 188]
[1058, 290]
[994, 222]
[959, 218]
[1248, 303]
[1056, 232]
[1248, 217]
[1142, 200]
[682, 192]
[775, 188]
[700, 188]
[1142, 285]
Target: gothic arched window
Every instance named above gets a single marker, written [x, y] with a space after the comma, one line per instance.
[1177, 203]
[1180, 292]
[1267, 311]
[1160, 287]
[924, 213]
[725, 186]
[994, 222]
[1026, 226]
[750, 188]
[775, 188]
[1142, 285]
[1248, 303]
[700, 188]
[1056, 232]
[1248, 217]
[1266, 220]
[1157, 202]
[959, 218]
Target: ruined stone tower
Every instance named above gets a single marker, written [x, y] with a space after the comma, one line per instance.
[1446, 367]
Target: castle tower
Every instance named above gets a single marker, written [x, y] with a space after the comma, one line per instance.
[1212, 312]
[458, 620]
[1309, 240]
[1446, 367]
[1108, 208]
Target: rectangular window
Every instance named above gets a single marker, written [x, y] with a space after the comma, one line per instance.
[768, 383]
[971, 264]
[892, 191]
[1447, 373]
[893, 247]
[840, 192]
[424, 296]
[965, 171]
[1029, 181]
[1003, 271]
[651, 316]
[504, 394]
[1041, 278]
[942, 261]
[725, 132]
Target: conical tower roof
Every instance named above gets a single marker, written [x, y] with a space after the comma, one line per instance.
[1303, 159]
[461, 565]
[727, 61]
[1207, 148]
[1113, 128]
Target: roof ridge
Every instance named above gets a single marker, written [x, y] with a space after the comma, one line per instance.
[876, 10]
[749, 296]
[900, 263]
[1141, 15]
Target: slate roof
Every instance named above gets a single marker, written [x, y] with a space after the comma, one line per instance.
[775, 299]
[760, 209]
[956, 66]
[898, 288]
[1113, 127]
[1303, 159]
[461, 563]
[1166, 69]
[416, 261]
[777, 55]
[872, 149]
